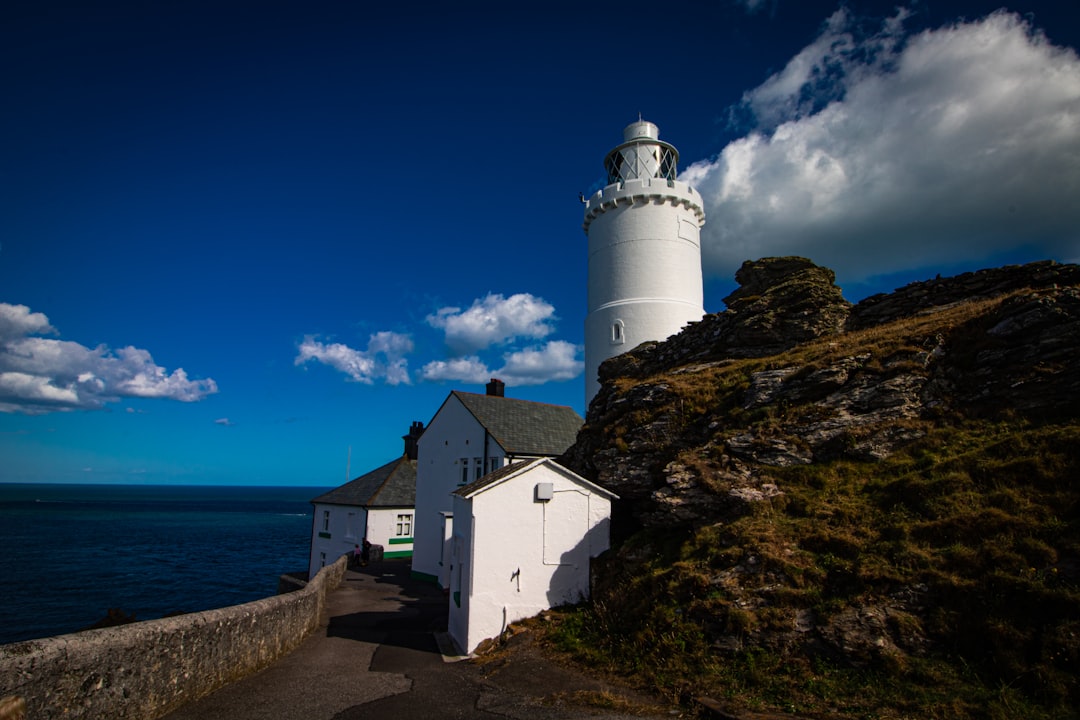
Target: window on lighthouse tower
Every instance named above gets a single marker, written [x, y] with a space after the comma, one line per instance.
[618, 334]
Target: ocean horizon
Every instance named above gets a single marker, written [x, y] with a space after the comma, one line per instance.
[72, 552]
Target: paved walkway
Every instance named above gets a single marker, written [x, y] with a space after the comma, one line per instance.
[377, 657]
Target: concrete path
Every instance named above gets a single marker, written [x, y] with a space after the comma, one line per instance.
[377, 657]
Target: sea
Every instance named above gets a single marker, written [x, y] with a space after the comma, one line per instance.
[70, 553]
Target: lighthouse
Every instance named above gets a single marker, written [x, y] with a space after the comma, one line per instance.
[644, 231]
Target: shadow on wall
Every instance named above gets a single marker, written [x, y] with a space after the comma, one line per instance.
[570, 583]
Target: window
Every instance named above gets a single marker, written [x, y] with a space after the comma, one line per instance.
[618, 332]
[464, 470]
[404, 525]
[641, 160]
[322, 559]
[478, 471]
[350, 526]
[494, 463]
[326, 520]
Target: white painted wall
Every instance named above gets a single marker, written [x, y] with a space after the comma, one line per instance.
[383, 530]
[518, 556]
[451, 435]
[346, 528]
[348, 525]
[644, 266]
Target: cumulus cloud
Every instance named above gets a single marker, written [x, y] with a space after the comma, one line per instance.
[16, 321]
[384, 359]
[493, 320]
[881, 153]
[40, 375]
[465, 369]
[551, 362]
[554, 361]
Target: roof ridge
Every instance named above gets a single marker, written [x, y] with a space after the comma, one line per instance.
[495, 476]
[522, 427]
[514, 399]
[365, 489]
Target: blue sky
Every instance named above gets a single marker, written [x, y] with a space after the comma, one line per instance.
[249, 243]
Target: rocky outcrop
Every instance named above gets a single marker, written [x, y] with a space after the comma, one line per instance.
[780, 303]
[756, 437]
[860, 397]
[939, 292]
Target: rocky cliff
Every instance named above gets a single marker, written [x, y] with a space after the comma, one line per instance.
[889, 487]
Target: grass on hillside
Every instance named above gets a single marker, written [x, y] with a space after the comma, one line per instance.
[961, 551]
[976, 526]
[981, 519]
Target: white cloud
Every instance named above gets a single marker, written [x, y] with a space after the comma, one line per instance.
[493, 320]
[17, 321]
[555, 361]
[466, 369]
[40, 375]
[875, 155]
[384, 359]
[552, 362]
[224, 422]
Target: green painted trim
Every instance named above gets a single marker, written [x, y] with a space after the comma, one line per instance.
[397, 554]
[401, 541]
[415, 575]
[324, 535]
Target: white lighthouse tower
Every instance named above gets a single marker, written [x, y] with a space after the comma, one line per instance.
[644, 233]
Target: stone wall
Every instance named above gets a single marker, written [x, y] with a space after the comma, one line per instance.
[143, 670]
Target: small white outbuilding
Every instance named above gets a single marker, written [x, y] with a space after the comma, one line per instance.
[523, 538]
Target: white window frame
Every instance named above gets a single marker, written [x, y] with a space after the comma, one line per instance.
[404, 525]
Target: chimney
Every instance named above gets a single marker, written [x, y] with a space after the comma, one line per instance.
[415, 431]
[496, 388]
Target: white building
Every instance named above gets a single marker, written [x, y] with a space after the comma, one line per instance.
[378, 505]
[644, 251]
[468, 437]
[522, 541]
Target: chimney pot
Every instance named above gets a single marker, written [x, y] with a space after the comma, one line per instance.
[415, 431]
[496, 388]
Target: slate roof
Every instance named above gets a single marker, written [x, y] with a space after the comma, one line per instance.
[496, 476]
[491, 478]
[392, 485]
[524, 427]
